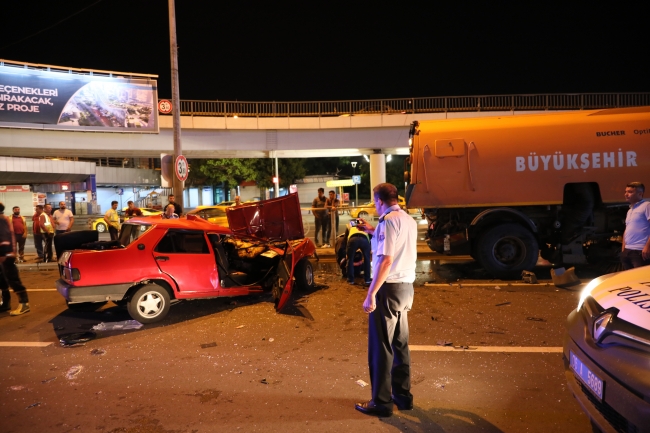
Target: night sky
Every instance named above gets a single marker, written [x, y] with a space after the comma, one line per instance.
[264, 51]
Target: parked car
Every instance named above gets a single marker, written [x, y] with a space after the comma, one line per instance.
[213, 214]
[100, 225]
[264, 250]
[607, 351]
[367, 210]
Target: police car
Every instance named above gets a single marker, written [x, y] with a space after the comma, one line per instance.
[607, 351]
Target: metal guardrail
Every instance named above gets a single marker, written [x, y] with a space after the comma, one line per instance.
[438, 104]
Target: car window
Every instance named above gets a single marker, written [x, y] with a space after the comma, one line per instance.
[131, 232]
[183, 242]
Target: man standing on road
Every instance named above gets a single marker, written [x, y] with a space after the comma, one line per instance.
[636, 238]
[36, 231]
[47, 232]
[8, 270]
[20, 232]
[132, 210]
[178, 209]
[332, 203]
[63, 219]
[112, 219]
[389, 298]
[320, 217]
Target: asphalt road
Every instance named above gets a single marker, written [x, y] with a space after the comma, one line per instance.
[233, 364]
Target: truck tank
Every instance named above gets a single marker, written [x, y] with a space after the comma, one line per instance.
[553, 181]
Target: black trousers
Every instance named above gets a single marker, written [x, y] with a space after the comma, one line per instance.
[389, 358]
[114, 233]
[9, 277]
[633, 259]
[321, 224]
[48, 254]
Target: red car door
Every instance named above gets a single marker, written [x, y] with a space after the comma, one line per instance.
[184, 255]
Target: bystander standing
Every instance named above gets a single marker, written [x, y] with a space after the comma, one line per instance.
[332, 203]
[20, 232]
[63, 219]
[636, 238]
[112, 218]
[169, 213]
[178, 209]
[321, 217]
[47, 232]
[132, 210]
[36, 231]
[9, 276]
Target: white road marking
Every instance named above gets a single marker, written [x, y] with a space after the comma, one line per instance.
[509, 349]
[23, 344]
[469, 284]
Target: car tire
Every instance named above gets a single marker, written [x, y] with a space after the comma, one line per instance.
[363, 214]
[100, 227]
[85, 307]
[507, 249]
[304, 274]
[149, 304]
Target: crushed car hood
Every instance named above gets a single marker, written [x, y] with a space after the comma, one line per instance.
[629, 292]
[278, 218]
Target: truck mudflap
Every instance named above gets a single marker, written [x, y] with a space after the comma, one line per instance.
[109, 292]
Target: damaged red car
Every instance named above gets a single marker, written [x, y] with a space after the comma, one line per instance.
[157, 262]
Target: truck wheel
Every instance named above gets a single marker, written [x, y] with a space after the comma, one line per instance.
[85, 307]
[506, 250]
[101, 227]
[304, 274]
[149, 304]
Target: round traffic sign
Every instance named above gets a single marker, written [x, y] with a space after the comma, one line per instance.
[181, 168]
[164, 106]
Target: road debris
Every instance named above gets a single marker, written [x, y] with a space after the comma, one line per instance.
[536, 319]
[48, 380]
[529, 277]
[444, 343]
[264, 381]
[17, 388]
[38, 403]
[74, 371]
[207, 345]
[76, 338]
[117, 326]
[271, 340]
[239, 327]
[502, 304]
[97, 352]
[497, 287]
[361, 383]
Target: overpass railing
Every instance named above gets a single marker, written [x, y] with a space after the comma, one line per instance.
[555, 101]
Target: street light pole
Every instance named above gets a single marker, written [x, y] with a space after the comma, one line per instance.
[356, 185]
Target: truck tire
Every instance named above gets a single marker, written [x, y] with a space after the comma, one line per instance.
[149, 304]
[506, 250]
[304, 274]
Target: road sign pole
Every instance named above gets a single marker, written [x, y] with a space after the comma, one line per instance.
[177, 184]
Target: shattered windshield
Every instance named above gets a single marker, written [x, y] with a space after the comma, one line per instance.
[131, 232]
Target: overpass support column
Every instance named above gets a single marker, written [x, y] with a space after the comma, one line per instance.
[377, 170]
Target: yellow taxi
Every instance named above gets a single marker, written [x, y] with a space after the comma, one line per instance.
[367, 210]
[214, 214]
[100, 225]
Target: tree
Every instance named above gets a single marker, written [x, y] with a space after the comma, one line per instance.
[290, 169]
[227, 171]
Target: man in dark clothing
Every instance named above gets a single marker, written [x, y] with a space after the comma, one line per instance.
[132, 210]
[9, 276]
[178, 209]
[321, 216]
[332, 204]
[357, 240]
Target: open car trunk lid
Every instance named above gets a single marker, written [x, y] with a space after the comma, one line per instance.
[277, 219]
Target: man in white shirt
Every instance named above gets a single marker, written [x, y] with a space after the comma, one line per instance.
[636, 238]
[63, 219]
[389, 298]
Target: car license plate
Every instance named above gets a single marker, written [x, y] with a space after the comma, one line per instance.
[593, 382]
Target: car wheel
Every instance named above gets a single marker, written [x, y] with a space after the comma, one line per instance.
[149, 304]
[304, 274]
[100, 227]
[363, 214]
[506, 250]
[85, 307]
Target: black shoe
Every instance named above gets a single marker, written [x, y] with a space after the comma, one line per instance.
[403, 403]
[370, 408]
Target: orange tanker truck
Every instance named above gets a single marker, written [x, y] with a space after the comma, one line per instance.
[505, 189]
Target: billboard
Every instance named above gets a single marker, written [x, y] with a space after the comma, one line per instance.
[35, 98]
